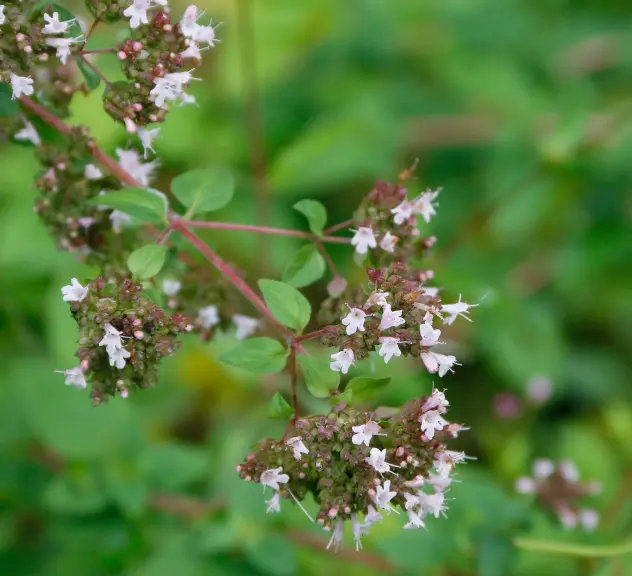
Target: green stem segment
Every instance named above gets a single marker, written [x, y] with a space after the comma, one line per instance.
[569, 549]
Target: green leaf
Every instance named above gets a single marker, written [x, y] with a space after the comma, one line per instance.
[145, 204]
[90, 76]
[257, 355]
[307, 267]
[361, 389]
[204, 190]
[8, 107]
[66, 496]
[286, 303]
[145, 262]
[315, 213]
[320, 380]
[172, 466]
[279, 409]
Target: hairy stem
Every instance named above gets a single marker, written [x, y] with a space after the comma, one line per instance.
[265, 230]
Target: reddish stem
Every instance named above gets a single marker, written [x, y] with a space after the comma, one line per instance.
[94, 68]
[337, 227]
[109, 163]
[230, 275]
[312, 335]
[264, 230]
[327, 257]
[293, 378]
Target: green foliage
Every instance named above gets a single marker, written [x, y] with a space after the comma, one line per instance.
[147, 261]
[8, 107]
[287, 304]
[89, 75]
[361, 389]
[203, 190]
[307, 267]
[320, 380]
[315, 213]
[279, 409]
[147, 205]
[257, 355]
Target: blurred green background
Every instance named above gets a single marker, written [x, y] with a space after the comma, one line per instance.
[521, 112]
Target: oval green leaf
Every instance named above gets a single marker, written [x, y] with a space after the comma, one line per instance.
[307, 267]
[89, 75]
[257, 355]
[146, 261]
[147, 205]
[286, 303]
[315, 213]
[320, 380]
[279, 409]
[204, 190]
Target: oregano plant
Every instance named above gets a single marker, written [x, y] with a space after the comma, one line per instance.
[159, 283]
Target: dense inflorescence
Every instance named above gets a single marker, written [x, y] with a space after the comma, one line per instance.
[122, 337]
[358, 466]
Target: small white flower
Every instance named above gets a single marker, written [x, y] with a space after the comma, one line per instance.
[21, 85]
[525, 485]
[377, 460]
[130, 161]
[180, 79]
[62, 45]
[206, 34]
[543, 468]
[74, 292]
[112, 339]
[354, 321]
[429, 335]
[164, 90]
[363, 239]
[436, 362]
[424, 204]
[137, 13]
[388, 242]
[297, 446]
[439, 483]
[589, 519]
[130, 126]
[117, 357]
[568, 470]
[539, 389]
[430, 291]
[437, 401]
[390, 318]
[171, 288]
[208, 317]
[457, 309]
[417, 482]
[192, 51]
[91, 172]
[412, 501]
[191, 29]
[28, 133]
[119, 220]
[358, 529]
[365, 432]
[86, 221]
[383, 496]
[3, 18]
[274, 504]
[372, 516]
[338, 535]
[74, 377]
[389, 348]
[147, 138]
[273, 477]
[432, 421]
[402, 212]
[342, 360]
[246, 326]
[432, 503]
[414, 521]
[567, 517]
[54, 26]
[377, 299]
[446, 460]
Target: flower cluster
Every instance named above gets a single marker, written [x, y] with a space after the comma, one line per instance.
[399, 316]
[359, 467]
[122, 337]
[558, 489]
